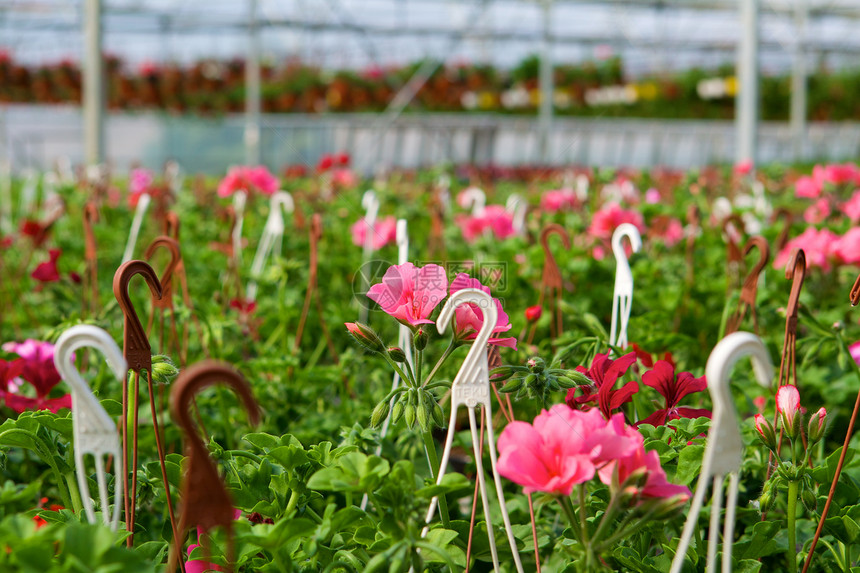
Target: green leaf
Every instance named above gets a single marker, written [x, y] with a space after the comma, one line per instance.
[356, 472]
[689, 464]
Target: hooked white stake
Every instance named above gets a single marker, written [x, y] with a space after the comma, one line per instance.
[475, 199]
[622, 298]
[142, 205]
[582, 188]
[404, 339]
[517, 207]
[94, 431]
[724, 449]
[173, 176]
[471, 388]
[273, 236]
[28, 194]
[239, 199]
[371, 208]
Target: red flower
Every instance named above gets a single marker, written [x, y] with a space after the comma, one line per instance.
[36, 366]
[326, 162]
[604, 372]
[647, 359]
[533, 313]
[47, 272]
[243, 306]
[673, 388]
[342, 159]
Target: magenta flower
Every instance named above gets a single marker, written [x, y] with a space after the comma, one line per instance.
[788, 406]
[817, 212]
[606, 220]
[656, 485]
[468, 318]
[248, 179]
[851, 208]
[652, 196]
[817, 245]
[744, 167]
[558, 199]
[604, 372]
[47, 272]
[37, 368]
[409, 293]
[495, 218]
[140, 180]
[671, 234]
[673, 388]
[807, 187]
[561, 449]
[384, 232]
[847, 247]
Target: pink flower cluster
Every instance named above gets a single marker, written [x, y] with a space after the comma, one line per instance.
[812, 186]
[565, 447]
[35, 366]
[495, 219]
[607, 219]
[248, 179]
[558, 199]
[411, 294]
[384, 232]
[823, 247]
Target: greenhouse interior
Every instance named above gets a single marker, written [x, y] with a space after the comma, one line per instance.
[373, 329]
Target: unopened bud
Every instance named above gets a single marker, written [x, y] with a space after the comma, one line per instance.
[501, 373]
[629, 496]
[637, 479]
[809, 499]
[817, 425]
[671, 506]
[765, 502]
[365, 336]
[379, 413]
[765, 431]
[533, 313]
[421, 339]
[396, 354]
[163, 370]
[536, 365]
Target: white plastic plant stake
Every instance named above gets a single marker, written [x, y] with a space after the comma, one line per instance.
[444, 185]
[273, 236]
[173, 176]
[28, 194]
[471, 388]
[582, 188]
[475, 199]
[724, 449]
[94, 431]
[371, 209]
[517, 207]
[239, 199]
[622, 298]
[404, 339]
[139, 212]
[51, 200]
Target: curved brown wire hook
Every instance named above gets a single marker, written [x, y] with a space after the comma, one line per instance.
[854, 298]
[551, 280]
[205, 500]
[734, 253]
[166, 280]
[788, 219]
[171, 225]
[135, 344]
[749, 290]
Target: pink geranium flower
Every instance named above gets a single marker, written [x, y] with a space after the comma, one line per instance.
[468, 318]
[384, 232]
[672, 234]
[743, 167]
[607, 219]
[673, 388]
[817, 246]
[140, 180]
[847, 247]
[604, 372]
[807, 187]
[47, 272]
[817, 212]
[409, 293]
[656, 484]
[37, 368]
[788, 404]
[851, 208]
[561, 449]
[495, 218]
[248, 179]
[652, 196]
[558, 199]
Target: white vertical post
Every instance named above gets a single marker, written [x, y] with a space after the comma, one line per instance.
[798, 81]
[746, 102]
[93, 92]
[252, 89]
[546, 82]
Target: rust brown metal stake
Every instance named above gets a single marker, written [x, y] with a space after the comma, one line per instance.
[171, 229]
[733, 251]
[164, 303]
[91, 217]
[749, 290]
[551, 282]
[206, 502]
[854, 297]
[138, 355]
[788, 218]
[694, 222]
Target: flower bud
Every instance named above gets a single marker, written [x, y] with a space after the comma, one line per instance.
[637, 479]
[397, 411]
[501, 373]
[765, 431]
[629, 496]
[423, 417]
[765, 502]
[671, 506]
[421, 339]
[396, 354]
[533, 313]
[379, 413]
[163, 370]
[536, 365]
[817, 424]
[809, 499]
[365, 336]
[409, 414]
[788, 406]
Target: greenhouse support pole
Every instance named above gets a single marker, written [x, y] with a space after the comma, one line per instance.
[252, 89]
[93, 92]
[546, 84]
[746, 102]
[798, 82]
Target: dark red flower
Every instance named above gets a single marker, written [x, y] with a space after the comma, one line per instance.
[533, 313]
[673, 388]
[36, 366]
[243, 306]
[47, 272]
[38, 232]
[604, 372]
[342, 159]
[647, 359]
[326, 162]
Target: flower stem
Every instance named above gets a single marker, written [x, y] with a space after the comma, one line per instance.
[430, 448]
[792, 533]
[442, 359]
[409, 380]
[567, 508]
[583, 518]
